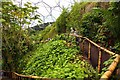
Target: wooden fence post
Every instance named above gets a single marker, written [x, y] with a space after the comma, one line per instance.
[89, 50]
[12, 75]
[99, 60]
[83, 46]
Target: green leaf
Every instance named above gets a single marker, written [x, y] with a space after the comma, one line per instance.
[2, 20]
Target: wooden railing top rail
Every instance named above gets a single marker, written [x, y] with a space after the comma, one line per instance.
[27, 76]
[16, 75]
[109, 52]
[112, 66]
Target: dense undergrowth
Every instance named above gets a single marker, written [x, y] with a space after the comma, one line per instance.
[55, 59]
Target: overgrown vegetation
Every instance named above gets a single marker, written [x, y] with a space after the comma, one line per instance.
[59, 57]
[15, 41]
[61, 22]
[55, 59]
[48, 32]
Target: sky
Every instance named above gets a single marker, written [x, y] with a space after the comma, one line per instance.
[49, 10]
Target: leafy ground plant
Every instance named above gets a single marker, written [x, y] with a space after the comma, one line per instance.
[55, 59]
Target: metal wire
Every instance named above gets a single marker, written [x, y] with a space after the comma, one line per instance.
[48, 12]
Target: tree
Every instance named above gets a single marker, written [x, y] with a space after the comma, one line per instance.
[15, 40]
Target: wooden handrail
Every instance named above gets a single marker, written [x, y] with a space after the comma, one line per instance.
[15, 75]
[26, 76]
[113, 65]
[111, 68]
[109, 52]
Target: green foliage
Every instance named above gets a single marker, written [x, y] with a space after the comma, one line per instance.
[17, 16]
[75, 15]
[51, 33]
[111, 21]
[55, 59]
[117, 47]
[48, 32]
[99, 24]
[61, 22]
[15, 41]
[116, 23]
[91, 25]
[71, 41]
